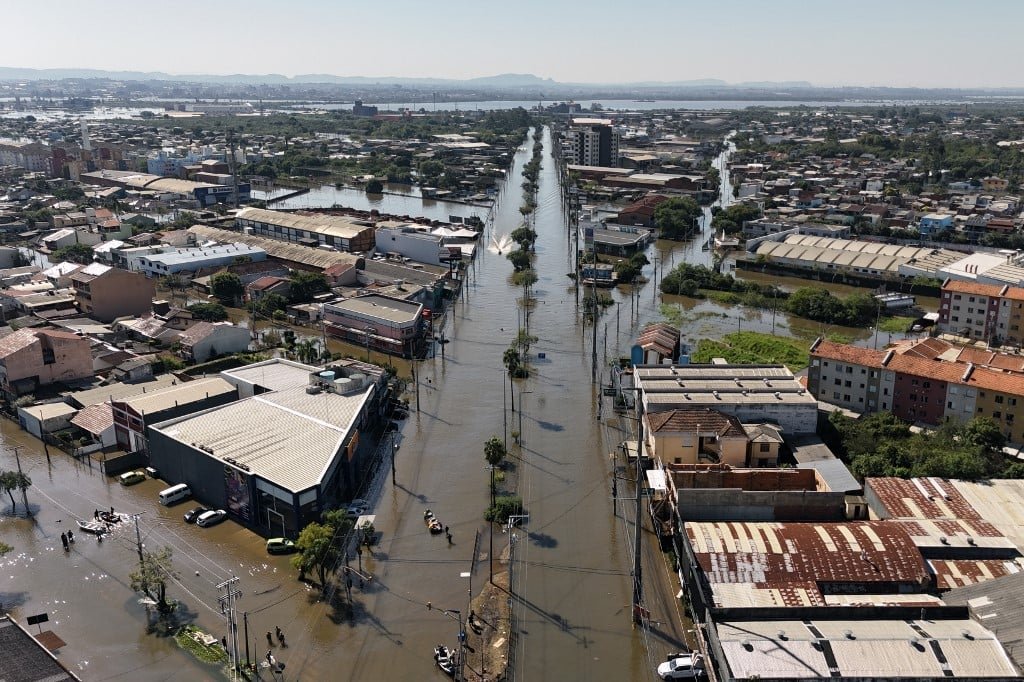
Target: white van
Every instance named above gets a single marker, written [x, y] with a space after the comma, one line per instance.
[175, 493]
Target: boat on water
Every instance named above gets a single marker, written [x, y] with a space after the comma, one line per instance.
[433, 524]
[93, 527]
[445, 658]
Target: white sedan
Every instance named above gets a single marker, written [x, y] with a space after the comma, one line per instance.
[682, 667]
[211, 518]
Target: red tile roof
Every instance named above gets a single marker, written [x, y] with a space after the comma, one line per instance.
[973, 288]
[854, 355]
[688, 421]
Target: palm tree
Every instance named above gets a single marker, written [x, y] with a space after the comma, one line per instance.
[513, 363]
[494, 453]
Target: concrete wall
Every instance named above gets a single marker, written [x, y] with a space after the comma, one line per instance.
[180, 463]
[731, 504]
[118, 293]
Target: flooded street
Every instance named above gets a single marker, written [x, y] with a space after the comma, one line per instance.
[571, 584]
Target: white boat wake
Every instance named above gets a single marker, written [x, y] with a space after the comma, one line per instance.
[500, 244]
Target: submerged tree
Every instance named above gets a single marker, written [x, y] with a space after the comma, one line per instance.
[152, 576]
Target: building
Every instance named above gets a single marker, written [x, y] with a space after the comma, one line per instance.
[169, 261]
[275, 461]
[972, 310]
[105, 293]
[207, 340]
[132, 414]
[415, 242]
[390, 325]
[28, 657]
[703, 435]
[641, 213]
[203, 193]
[275, 374]
[309, 229]
[660, 344]
[30, 358]
[291, 254]
[591, 142]
[968, 532]
[751, 393]
[927, 382]
[935, 222]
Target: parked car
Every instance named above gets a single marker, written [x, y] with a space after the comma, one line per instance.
[682, 667]
[280, 546]
[132, 477]
[211, 518]
[357, 507]
[193, 514]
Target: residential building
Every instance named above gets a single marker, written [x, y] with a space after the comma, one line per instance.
[104, 293]
[994, 184]
[207, 340]
[413, 241]
[935, 222]
[694, 436]
[752, 393]
[972, 310]
[134, 413]
[591, 142]
[660, 344]
[30, 358]
[383, 323]
[641, 213]
[309, 229]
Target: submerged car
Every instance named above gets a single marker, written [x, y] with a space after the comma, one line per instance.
[211, 518]
[280, 546]
[192, 514]
[682, 667]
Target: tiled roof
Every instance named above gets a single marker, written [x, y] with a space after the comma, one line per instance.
[15, 341]
[854, 355]
[95, 418]
[689, 421]
[973, 288]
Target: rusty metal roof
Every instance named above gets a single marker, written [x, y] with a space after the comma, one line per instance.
[784, 564]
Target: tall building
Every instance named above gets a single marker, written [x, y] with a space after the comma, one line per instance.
[592, 142]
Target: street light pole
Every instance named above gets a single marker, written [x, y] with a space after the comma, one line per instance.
[368, 331]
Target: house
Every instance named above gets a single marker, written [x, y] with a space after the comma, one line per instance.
[687, 437]
[205, 340]
[641, 213]
[935, 222]
[104, 293]
[30, 358]
[265, 286]
[659, 342]
[994, 184]
[45, 418]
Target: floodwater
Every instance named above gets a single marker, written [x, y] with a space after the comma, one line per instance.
[572, 559]
[398, 200]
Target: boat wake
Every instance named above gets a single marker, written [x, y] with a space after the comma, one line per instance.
[500, 244]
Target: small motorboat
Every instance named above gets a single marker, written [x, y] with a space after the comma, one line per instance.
[445, 659]
[94, 527]
[433, 525]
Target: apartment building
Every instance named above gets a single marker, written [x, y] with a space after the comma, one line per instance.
[592, 142]
[972, 310]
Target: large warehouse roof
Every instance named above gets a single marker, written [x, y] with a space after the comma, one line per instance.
[289, 438]
[320, 223]
[286, 251]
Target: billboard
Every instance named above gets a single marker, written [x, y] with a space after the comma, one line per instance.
[236, 486]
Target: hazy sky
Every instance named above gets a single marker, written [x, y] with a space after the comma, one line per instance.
[826, 42]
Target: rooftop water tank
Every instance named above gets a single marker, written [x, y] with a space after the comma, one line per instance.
[343, 385]
[358, 380]
[327, 376]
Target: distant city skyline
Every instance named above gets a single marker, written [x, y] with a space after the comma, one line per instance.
[907, 43]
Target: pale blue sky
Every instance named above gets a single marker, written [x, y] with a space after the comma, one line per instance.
[852, 42]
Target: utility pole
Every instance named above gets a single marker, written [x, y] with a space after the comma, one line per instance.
[245, 621]
[637, 574]
[593, 321]
[227, 607]
[24, 495]
[138, 541]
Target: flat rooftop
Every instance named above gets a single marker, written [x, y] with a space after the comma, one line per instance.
[289, 438]
[273, 375]
[318, 223]
[383, 307]
[720, 383]
[180, 394]
[864, 649]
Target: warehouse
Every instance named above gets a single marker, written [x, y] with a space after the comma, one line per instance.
[309, 229]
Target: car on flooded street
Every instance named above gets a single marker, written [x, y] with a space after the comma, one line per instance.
[193, 514]
[211, 518]
[131, 477]
[280, 546]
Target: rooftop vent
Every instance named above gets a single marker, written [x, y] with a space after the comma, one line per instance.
[967, 634]
[778, 395]
[716, 395]
[970, 540]
[944, 540]
[848, 634]
[747, 645]
[781, 634]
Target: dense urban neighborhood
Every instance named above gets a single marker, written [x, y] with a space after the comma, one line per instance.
[756, 368]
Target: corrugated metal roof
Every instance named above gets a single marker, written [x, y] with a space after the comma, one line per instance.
[788, 560]
[295, 253]
[118, 391]
[274, 375]
[289, 438]
[998, 603]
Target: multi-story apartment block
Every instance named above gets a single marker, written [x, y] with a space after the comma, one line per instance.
[592, 142]
[993, 313]
[929, 382]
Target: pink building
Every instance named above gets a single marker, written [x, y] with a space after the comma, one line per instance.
[30, 358]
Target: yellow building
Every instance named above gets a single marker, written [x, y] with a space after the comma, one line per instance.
[703, 436]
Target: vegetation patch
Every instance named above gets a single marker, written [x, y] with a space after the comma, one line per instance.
[754, 348]
[895, 325]
[188, 638]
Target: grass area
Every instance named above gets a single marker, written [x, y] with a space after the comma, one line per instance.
[754, 347]
[674, 314]
[208, 654]
[895, 325]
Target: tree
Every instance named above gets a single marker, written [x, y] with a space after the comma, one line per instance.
[513, 365]
[374, 186]
[5, 548]
[983, 432]
[494, 453]
[152, 575]
[305, 285]
[208, 312]
[519, 258]
[14, 480]
[319, 544]
[272, 303]
[524, 236]
[227, 287]
[676, 217]
[76, 253]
